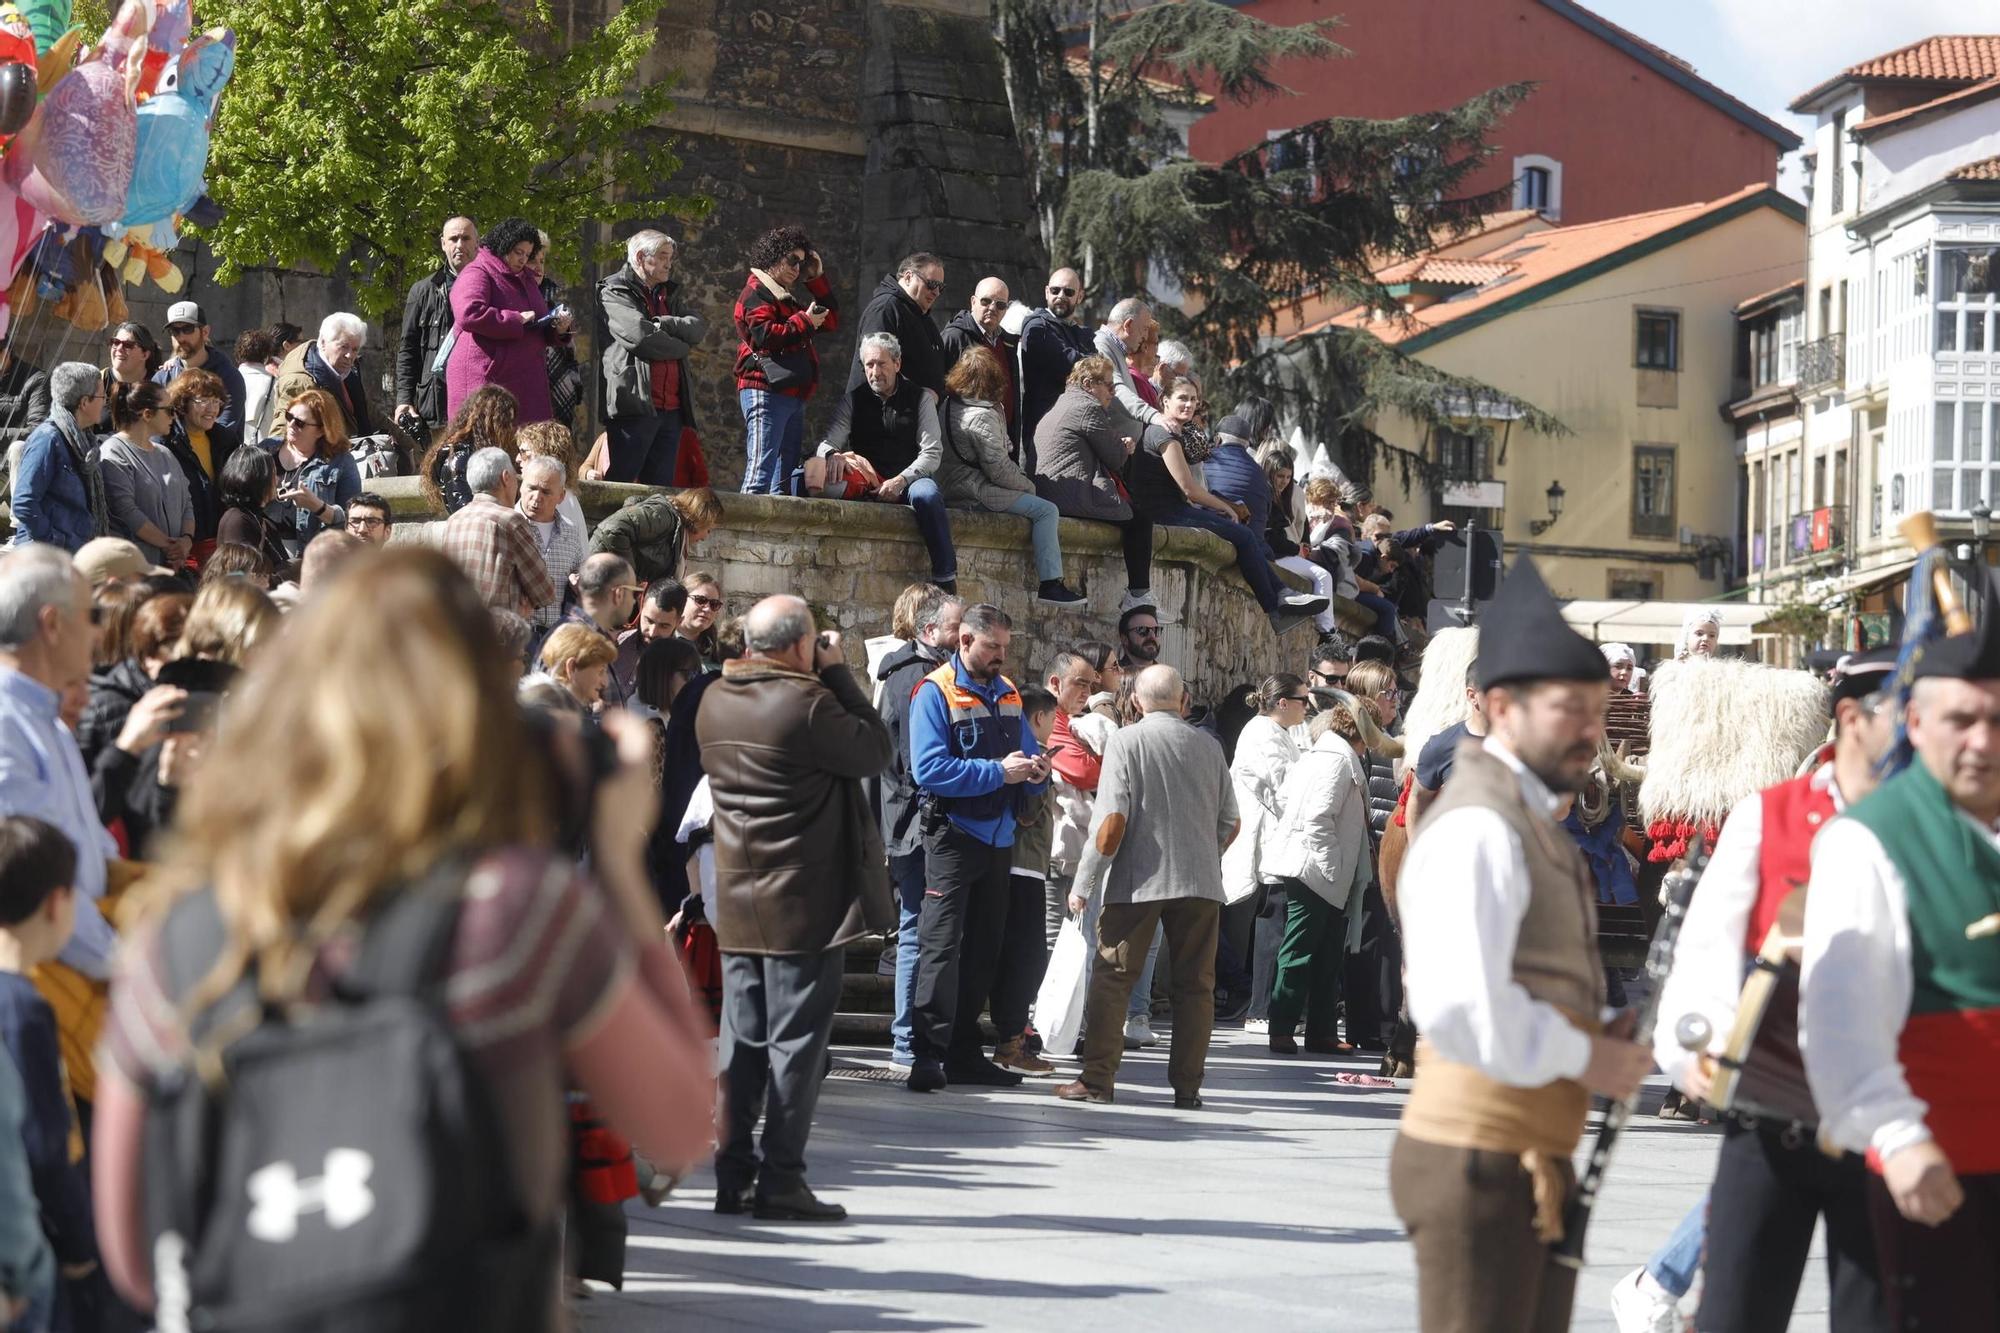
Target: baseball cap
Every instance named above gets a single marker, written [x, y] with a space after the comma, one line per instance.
[185, 312]
[105, 558]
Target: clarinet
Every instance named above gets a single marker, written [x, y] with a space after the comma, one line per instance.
[1678, 891]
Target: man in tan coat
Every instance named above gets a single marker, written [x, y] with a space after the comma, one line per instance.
[786, 738]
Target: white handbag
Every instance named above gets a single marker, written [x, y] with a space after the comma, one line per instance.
[1059, 1004]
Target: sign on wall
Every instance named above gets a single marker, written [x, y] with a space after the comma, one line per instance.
[1474, 494]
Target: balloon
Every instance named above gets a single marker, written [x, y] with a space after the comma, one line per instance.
[49, 19]
[89, 132]
[17, 97]
[172, 148]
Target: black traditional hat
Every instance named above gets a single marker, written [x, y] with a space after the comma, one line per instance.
[1973, 656]
[1523, 636]
[1858, 675]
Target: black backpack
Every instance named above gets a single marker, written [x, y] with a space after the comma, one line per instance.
[343, 1169]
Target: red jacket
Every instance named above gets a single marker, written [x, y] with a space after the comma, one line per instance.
[772, 329]
[1071, 759]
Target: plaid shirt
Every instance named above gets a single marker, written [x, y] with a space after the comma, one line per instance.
[497, 549]
[562, 557]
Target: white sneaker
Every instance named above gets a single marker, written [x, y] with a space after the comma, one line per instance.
[1641, 1305]
[1139, 1031]
[1136, 597]
[1260, 1025]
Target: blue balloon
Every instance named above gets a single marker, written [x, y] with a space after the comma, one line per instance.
[173, 134]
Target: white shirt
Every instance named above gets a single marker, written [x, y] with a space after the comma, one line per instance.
[1856, 992]
[1464, 889]
[1710, 961]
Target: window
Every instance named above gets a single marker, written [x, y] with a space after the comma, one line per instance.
[1538, 184]
[1659, 340]
[1465, 457]
[1968, 293]
[1790, 335]
[1965, 468]
[1836, 164]
[1653, 490]
[1632, 585]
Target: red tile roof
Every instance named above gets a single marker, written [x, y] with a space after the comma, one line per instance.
[1945, 60]
[1795, 285]
[1466, 272]
[1987, 169]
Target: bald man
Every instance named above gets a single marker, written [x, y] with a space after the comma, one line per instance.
[1050, 345]
[1165, 810]
[979, 326]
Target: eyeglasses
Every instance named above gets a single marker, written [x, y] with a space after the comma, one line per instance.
[207, 401]
[705, 603]
[932, 285]
[1062, 291]
[1144, 631]
[303, 423]
[123, 344]
[988, 300]
[366, 522]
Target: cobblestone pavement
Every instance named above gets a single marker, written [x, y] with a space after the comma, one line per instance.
[1266, 1211]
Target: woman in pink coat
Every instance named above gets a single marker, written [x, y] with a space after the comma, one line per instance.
[501, 324]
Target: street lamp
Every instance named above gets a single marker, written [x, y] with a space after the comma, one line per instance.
[1541, 525]
[1982, 527]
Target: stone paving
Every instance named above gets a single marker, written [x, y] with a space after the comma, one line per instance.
[1005, 1209]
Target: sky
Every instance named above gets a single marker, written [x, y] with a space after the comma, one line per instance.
[1767, 52]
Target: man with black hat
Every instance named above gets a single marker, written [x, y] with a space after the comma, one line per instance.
[1500, 922]
[187, 329]
[1900, 1005]
[1772, 1183]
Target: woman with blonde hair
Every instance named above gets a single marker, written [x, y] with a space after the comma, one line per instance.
[978, 470]
[578, 658]
[317, 477]
[407, 768]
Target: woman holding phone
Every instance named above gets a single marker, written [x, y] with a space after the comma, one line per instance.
[502, 324]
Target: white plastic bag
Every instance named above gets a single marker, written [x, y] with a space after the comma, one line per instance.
[1059, 1005]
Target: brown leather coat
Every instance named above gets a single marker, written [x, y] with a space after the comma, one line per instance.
[798, 856]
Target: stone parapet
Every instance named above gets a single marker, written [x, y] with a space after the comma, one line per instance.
[850, 561]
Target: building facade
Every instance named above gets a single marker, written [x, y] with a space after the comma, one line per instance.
[1569, 150]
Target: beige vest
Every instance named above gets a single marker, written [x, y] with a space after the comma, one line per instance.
[1555, 960]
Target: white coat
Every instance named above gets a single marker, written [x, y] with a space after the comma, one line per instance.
[1321, 839]
[1265, 754]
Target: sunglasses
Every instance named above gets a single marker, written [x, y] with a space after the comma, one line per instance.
[705, 603]
[123, 344]
[988, 300]
[1296, 699]
[796, 261]
[1144, 631]
[303, 423]
[933, 285]
[182, 328]
[1062, 291]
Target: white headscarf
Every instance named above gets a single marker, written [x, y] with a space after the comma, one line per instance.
[1614, 653]
[1701, 615]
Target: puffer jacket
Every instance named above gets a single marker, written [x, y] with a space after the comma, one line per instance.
[1321, 839]
[900, 673]
[647, 533]
[977, 467]
[1265, 754]
[1078, 458]
[631, 338]
[1382, 792]
[799, 865]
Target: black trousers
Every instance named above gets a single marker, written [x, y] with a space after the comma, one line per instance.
[1942, 1279]
[1268, 939]
[777, 1016]
[1373, 986]
[1024, 955]
[958, 942]
[1770, 1191]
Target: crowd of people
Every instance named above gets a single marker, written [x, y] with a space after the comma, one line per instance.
[524, 824]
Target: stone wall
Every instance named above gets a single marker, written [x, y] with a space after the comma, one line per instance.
[851, 560]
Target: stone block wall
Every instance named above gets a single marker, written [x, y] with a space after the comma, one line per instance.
[851, 560]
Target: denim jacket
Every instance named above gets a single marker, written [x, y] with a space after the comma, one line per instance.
[51, 498]
[335, 480]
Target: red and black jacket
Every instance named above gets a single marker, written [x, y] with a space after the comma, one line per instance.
[776, 351]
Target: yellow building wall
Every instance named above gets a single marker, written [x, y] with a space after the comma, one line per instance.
[1572, 354]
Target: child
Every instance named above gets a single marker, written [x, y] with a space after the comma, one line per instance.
[1024, 951]
[37, 912]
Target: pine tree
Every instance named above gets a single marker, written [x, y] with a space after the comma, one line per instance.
[1096, 91]
[353, 128]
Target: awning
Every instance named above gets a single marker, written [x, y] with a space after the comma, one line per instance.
[1658, 622]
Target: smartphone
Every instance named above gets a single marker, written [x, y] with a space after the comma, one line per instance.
[205, 683]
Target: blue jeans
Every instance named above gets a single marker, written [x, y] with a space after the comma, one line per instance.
[1252, 556]
[1385, 615]
[1674, 1264]
[907, 874]
[1042, 519]
[774, 425]
[926, 502]
[643, 449]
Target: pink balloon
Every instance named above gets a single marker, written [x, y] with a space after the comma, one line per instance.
[89, 136]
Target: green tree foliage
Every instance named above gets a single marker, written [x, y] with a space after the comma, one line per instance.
[1098, 93]
[352, 128]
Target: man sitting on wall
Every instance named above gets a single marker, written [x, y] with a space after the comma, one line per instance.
[884, 444]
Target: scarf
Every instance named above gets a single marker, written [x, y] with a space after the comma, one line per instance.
[84, 450]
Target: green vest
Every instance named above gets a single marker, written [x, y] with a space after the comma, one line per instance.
[1951, 878]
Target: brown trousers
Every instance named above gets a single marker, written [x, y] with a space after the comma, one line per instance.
[1471, 1218]
[1124, 936]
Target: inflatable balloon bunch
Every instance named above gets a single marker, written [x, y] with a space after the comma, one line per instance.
[102, 151]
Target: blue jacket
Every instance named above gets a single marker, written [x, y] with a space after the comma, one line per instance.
[956, 746]
[1234, 475]
[51, 499]
[335, 480]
